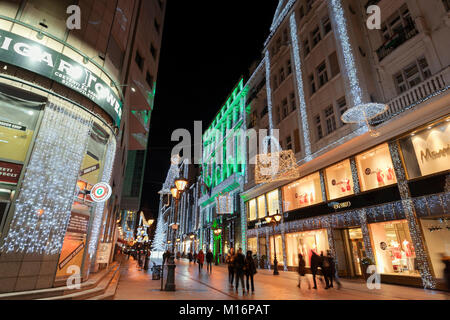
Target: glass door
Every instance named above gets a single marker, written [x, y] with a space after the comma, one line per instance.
[357, 249]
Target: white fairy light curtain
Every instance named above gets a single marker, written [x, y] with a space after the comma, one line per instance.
[275, 166]
[43, 207]
[224, 203]
[100, 207]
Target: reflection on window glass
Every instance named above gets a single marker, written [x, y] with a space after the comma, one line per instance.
[375, 168]
[304, 243]
[252, 210]
[261, 207]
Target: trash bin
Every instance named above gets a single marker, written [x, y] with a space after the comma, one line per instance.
[156, 272]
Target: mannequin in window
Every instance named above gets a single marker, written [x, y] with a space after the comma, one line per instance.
[410, 254]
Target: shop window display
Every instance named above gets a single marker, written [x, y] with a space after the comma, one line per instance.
[437, 237]
[375, 168]
[261, 207]
[252, 245]
[252, 210]
[305, 243]
[339, 180]
[302, 193]
[279, 247]
[272, 202]
[394, 251]
[427, 151]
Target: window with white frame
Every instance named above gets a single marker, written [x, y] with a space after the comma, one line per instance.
[397, 23]
[330, 119]
[342, 105]
[334, 64]
[322, 74]
[412, 75]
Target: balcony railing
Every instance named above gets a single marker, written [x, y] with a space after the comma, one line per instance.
[396, 41]
[433, 85]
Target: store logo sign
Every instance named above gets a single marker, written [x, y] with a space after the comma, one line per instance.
[342, 205]
[31, 55]
[10, 172]
[101, 192]
[434, 155]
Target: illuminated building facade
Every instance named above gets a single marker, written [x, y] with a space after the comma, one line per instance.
[69, 111]
[385, 198]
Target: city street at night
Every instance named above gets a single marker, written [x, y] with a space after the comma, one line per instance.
[135, 284]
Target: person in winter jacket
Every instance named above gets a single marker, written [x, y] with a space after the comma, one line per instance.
[200, 260]
[209, 260]
[302, 271]
[316, 263]
[249, 270]
[239, 262]
[230, 262]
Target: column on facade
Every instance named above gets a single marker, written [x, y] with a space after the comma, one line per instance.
[302, 114]
[258, 249]
[422, 254]
[268, 250]
[243, 228]
[282, 228]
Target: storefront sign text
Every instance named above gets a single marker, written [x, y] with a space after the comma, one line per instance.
[10, 172]
[31, 55]
[433, 155]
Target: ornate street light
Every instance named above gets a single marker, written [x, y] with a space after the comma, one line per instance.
[176, 191]
[274, 220]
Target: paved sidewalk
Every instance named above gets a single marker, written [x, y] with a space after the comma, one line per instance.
[135, 284]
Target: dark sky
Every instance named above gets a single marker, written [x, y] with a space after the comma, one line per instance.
[207, 46]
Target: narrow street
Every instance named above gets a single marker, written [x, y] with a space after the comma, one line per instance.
[137, 284]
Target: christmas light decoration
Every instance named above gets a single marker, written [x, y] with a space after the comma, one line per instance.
[159, 240]
[224, 204]
[269, 92]
[354, 169]
[173, 173]
[43, 207]
[100, 207]
[300, 89]
[279, 18]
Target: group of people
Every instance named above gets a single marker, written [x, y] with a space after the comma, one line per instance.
[326, 265]
[200, 259]
[238, 266]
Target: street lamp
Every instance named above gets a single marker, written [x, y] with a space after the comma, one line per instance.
[274, 221]
[177, 190]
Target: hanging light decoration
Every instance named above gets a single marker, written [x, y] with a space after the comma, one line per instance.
[43, 207]
[224, 203]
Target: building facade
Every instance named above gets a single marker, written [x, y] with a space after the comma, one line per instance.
[361, 195]
[65, 124]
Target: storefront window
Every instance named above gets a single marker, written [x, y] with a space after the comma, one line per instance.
[272, 202]
[427, 151]
[394, 251]
[17, 125]
[261, 207]
[252, 245]
[305, 243]
[375, 168]
[339, 180]
[437, 237]
[279, 247]
[302, 193]
[357, 247]
[252, 210]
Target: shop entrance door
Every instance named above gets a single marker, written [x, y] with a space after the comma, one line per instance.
[262, 252]
[357, 249]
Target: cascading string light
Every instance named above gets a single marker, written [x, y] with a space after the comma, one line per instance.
[276, 23]
[300, 88]
[43, 206]
[100, 207]
[269, 91]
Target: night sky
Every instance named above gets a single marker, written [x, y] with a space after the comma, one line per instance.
[207, 47]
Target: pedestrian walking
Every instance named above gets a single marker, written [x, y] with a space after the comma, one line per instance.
[302, 271]
[209, 260]
[316, 263]
[230, 262]
[200, 260]
[190, 257]
[239, 262]
[250, 270]
[166, 256]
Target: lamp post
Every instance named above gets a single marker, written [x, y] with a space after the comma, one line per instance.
[217, 233]
[274, 221]
[177, 190]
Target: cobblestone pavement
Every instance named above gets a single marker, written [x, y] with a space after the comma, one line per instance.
[191, 284]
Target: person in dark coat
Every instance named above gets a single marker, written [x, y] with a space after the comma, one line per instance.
[166, 256]
[250, 270]
[316, 263]
[200, 260]
[302, 271]
[209, 260]
[239, 262]
[190, 256]
[230, 262]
